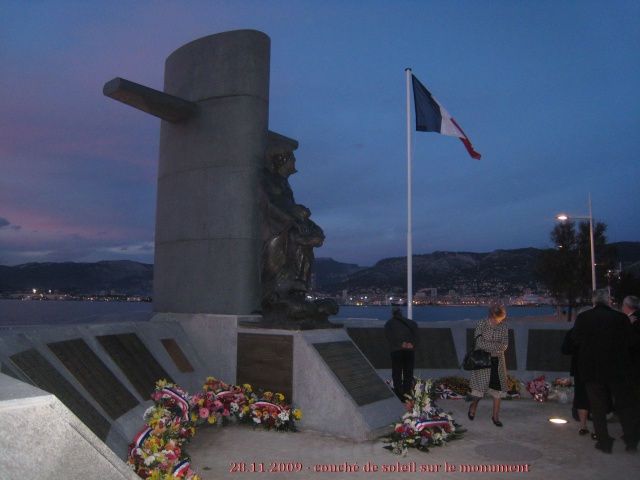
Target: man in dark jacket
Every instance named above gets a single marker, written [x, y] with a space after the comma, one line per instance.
[402, 335]
[604, 337]
[631, 308]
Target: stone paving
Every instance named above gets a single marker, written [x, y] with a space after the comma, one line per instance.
[527, 447]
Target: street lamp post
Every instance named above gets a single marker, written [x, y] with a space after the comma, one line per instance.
[563, 217]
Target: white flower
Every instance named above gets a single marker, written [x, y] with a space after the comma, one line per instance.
[283, 415]
[148, 411]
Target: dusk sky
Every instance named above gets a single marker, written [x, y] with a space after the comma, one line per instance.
[547, 92]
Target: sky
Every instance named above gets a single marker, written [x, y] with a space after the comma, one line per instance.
[547, 92]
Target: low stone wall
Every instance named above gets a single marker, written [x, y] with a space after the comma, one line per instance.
[534, 347]
[41, 438]
[104, 373]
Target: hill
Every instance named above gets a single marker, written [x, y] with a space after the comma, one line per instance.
[121, 276]
[498, 272]
[461, 271]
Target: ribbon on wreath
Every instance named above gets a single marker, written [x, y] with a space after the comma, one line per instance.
[179, 400]
[181, 468]
[268, 405]
[140, 439]
[430, 423]
[445, 393]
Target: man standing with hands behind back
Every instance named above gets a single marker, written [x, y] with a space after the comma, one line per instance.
[402, 335]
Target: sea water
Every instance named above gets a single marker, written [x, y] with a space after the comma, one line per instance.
[54, 312]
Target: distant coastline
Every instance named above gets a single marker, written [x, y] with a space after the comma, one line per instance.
[15, 313]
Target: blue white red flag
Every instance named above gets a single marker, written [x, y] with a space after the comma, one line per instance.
[431, 117]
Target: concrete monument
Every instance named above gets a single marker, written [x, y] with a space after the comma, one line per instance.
[233, 247]
[229, 237]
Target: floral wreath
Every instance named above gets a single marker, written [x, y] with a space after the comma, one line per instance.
[424, 425]
[157, 451]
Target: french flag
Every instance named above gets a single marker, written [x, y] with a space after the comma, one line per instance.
[431, 117]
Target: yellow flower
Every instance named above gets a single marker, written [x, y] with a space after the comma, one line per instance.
[297, 414]
[279, 397]
[212, 419]
[161, 383]
[247, 387]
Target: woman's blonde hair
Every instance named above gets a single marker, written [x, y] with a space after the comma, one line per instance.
[497, 311]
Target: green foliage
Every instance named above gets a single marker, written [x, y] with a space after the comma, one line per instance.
[566, 269]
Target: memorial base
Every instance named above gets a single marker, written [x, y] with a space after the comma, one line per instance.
[322, 373]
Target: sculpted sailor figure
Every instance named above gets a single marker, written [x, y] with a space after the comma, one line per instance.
[288, 239]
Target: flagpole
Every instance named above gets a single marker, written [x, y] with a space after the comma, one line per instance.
[409, 234]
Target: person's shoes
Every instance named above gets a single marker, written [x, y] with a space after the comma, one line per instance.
[605, 447]
[594, 437]
[471, 414]
[497, 423]
[583, 431]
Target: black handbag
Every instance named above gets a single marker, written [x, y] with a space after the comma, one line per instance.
[476, 359]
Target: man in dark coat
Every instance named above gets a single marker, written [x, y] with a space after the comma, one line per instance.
[605, 338]
[402, 335]
[631, 308]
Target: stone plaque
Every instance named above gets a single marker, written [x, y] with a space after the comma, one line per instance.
[509, 354]
[373, 344]
[177, 355]
[135, 360]
[266, 362]
[353, 370]
[435, 349]
[44, 376]
[543, 351]
[94, 376]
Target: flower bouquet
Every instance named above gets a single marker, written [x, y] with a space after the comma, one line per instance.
[539, 389]
[424, 425]
[561, 389]
[272, 412]
[513, 387]
[453, 388]
[221, 403]
[157, 452]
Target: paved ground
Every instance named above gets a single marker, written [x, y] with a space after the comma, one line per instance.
[528, 442]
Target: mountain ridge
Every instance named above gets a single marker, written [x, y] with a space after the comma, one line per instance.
[499, 271]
